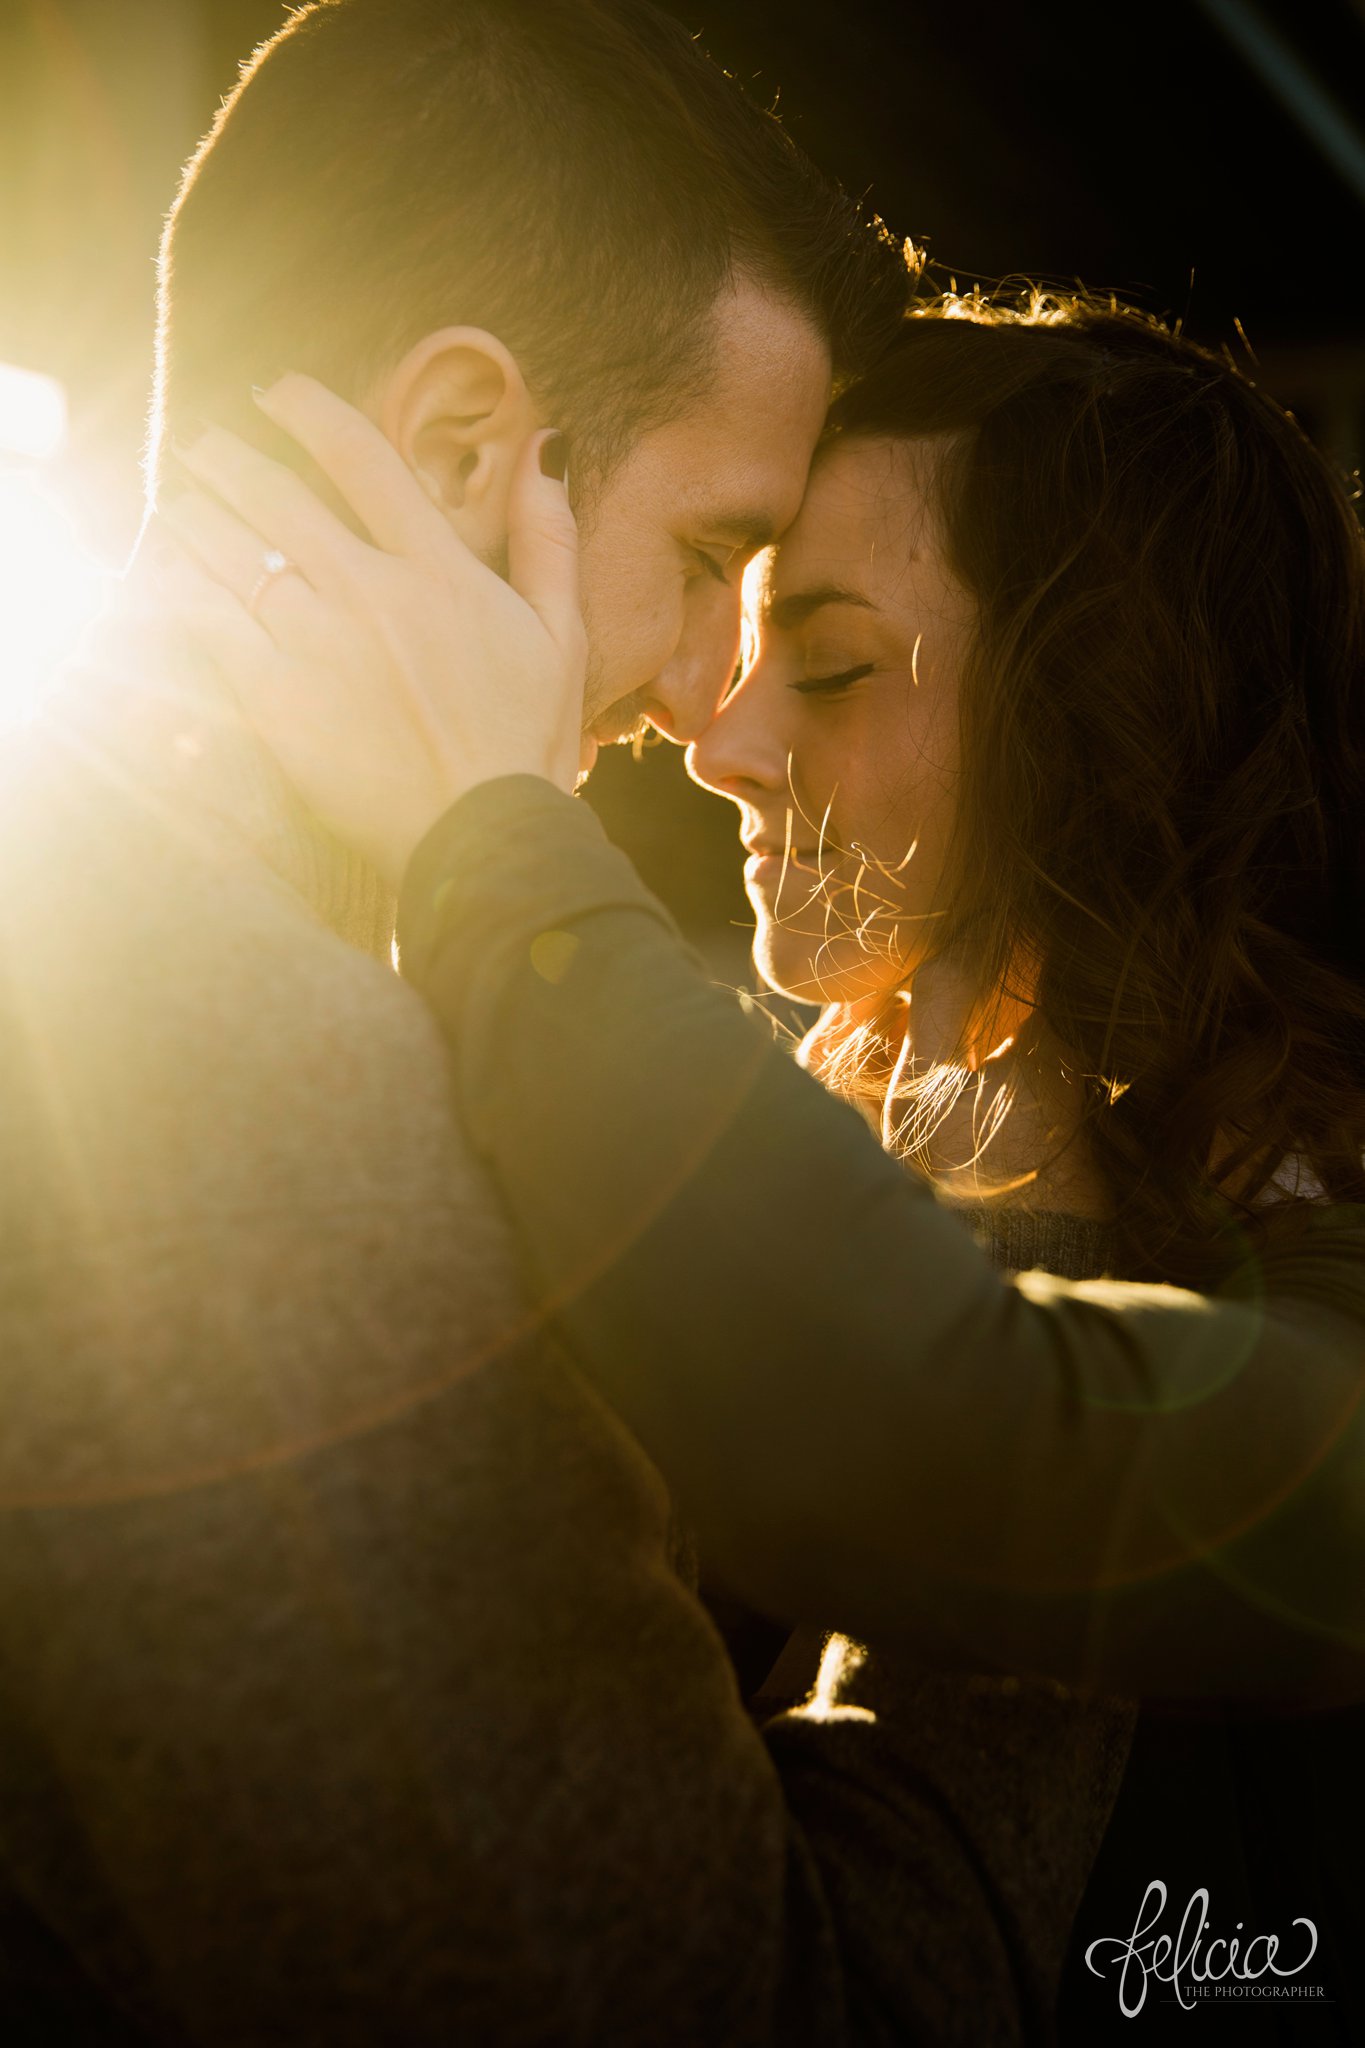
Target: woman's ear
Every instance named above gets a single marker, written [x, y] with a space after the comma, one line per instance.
[457, 410]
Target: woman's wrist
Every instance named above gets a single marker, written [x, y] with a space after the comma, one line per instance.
[490, 860]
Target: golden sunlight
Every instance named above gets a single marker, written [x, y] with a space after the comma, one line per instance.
[32, 413]
[51, 590]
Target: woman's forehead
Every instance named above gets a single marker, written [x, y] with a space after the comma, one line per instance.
[866, 514]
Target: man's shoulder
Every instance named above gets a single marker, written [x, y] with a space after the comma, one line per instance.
[230, 1141]
[121, 877]
[177, 1009]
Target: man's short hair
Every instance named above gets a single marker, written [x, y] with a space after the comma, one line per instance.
[573, 175]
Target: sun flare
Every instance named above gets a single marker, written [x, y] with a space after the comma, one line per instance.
[51, 589]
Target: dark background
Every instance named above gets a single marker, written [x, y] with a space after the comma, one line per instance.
[1136, 147]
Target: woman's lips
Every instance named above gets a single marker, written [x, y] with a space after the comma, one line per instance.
[766, 867]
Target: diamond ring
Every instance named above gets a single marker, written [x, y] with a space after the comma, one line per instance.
[274, 564]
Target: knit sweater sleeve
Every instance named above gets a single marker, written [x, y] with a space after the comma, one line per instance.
[1131, 1485]
[347, 1694]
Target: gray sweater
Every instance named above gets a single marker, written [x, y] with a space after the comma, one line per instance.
[348, 1692]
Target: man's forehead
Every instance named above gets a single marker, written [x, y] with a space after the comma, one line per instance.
[770, 358]
[759, 421]
[742, 484]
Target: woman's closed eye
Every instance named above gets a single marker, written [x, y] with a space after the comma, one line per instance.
[809, 686]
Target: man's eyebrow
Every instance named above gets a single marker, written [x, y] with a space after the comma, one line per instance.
[741, 529]
[787, 613]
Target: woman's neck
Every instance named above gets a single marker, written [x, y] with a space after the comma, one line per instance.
[1015, 1132]
[1013, 1129]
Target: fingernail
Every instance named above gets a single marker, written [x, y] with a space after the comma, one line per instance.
[261, 396]
[554, 457]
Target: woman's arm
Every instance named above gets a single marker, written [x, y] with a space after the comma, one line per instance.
[1136, 1486]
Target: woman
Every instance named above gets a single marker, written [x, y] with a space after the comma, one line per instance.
[1050, 767]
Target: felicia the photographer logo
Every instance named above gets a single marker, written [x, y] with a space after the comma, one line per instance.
[1198, 1969]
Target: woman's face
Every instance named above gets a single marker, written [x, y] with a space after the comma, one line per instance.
[840, 744]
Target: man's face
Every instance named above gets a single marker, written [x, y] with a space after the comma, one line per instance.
[665, 542]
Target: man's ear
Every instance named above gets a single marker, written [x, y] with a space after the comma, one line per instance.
[457, 410]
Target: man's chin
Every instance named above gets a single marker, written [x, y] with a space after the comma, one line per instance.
[620, 725]
[587, 758]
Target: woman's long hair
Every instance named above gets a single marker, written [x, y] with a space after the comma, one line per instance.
[1159, 853]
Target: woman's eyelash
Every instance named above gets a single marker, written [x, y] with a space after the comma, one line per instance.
[712, 566]
[812, 685]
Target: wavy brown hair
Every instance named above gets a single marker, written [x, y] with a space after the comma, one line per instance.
[1160, 843]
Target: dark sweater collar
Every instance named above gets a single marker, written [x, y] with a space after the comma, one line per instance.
[1020, 1240]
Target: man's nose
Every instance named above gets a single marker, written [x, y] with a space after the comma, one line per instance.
[686, 693]
[744, 751]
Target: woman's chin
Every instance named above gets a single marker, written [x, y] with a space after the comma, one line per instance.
[811, 970]
[783, 964]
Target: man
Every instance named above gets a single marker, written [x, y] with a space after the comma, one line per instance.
[348, 1692]
[667, 282]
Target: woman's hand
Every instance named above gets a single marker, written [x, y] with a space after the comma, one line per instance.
[387, 676]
